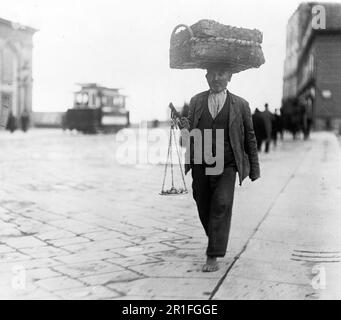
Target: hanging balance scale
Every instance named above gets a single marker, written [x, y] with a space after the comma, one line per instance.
[173, 191]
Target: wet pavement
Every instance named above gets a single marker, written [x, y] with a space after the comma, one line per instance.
[77, 224]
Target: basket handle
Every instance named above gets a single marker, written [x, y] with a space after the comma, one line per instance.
[184, 26]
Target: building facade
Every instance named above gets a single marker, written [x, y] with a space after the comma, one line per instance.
[312, 68]
[16, 68]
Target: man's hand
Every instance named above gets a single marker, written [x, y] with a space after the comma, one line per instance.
[183, 123]
[254, 178]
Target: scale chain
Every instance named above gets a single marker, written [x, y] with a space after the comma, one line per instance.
[179, 159]
[166, 166]
[172, 135]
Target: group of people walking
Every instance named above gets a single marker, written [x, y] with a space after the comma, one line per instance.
[267, 127]
[12, 123]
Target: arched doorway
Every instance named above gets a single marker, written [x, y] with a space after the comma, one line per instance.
[8, 81]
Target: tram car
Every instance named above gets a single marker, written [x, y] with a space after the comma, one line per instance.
[97, 109]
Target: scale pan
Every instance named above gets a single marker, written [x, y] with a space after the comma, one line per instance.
[173, 192]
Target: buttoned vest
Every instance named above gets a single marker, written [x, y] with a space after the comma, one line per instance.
[221, 121]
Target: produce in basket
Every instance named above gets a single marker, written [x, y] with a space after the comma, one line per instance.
[208, 42]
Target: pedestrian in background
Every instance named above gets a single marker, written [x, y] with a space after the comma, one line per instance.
[11, 123]
[267, 117]
[307, 119]
[25, 120]
[259, 128]
[276, 126]
[280, 122]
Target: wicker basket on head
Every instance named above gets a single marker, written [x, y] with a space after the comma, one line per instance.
[208, 42]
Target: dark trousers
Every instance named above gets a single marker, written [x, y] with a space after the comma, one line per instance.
[259, 144]
[267, 146]
[214, 198]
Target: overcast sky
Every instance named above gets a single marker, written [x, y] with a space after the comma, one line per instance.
[125, 44]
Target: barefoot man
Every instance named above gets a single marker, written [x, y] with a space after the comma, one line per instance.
[220, 143]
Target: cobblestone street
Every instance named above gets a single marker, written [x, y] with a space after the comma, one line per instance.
[75, 224]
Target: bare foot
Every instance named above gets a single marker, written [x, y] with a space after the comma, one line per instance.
[211, 265]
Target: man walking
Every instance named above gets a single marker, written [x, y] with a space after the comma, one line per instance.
[267, 117]
[228, 118]
[259, 128]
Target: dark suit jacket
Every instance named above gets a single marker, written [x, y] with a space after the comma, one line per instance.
[242, 135]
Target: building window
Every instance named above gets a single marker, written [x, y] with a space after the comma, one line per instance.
[79, 98]
[7, 66]
[6, 100]
[85, 99]
[118, 101]
[92, 102]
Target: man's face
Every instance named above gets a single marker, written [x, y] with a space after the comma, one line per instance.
[217, 79]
